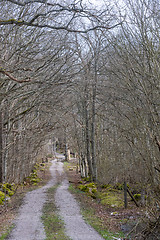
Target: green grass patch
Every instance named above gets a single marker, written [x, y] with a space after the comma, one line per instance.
[7, 232]
[53, 224]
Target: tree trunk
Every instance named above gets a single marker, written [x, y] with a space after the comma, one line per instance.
[90, 171]
[94, 165]
[1, 156]
[93, 147]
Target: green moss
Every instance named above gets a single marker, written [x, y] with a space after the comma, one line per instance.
[87, 179]
[89, 188]
[83, 188]
[42, 164]
[119, 186]
[137, 197]
[111, 198]
[8, 186]
[10, 193]
[106, 186]
[8, 189]
[2, 197]
[33, 178]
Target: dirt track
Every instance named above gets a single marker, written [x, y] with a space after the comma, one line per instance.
[28, 225]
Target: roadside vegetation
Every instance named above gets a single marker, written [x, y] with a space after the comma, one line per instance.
[103, 206]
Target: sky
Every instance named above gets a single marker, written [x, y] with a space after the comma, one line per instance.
[100, 2]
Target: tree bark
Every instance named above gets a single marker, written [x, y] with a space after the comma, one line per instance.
[93, 146]
[90, 171]
[1, 155]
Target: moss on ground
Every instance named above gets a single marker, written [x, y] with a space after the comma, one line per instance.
[111, 198]
[89, 188]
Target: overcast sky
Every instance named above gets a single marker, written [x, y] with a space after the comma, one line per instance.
[100, 2]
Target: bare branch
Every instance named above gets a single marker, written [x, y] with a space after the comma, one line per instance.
[23, 3]
[13, 78]
[31, 24]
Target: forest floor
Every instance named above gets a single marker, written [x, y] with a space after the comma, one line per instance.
[111, 222]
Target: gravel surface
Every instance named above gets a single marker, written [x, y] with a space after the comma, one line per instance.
[76, 228]
[28, 225]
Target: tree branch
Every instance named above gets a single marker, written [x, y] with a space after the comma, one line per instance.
[23, 3]
[31, 24]
[13, 78]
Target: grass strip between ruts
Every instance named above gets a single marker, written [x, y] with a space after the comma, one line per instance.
[53, 224]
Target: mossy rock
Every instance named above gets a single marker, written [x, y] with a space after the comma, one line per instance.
[8, 189]
[89, 188]
[35, 180]
[2, 196]
[87, 179]
[34, 171]
[92, 185]
[33, 175]
[83, 188]
[42, 164]
[9, 192]
[7, 186]
[42, 169]
[119, 186]
[111, 199]
[137, 197]
[106, 186]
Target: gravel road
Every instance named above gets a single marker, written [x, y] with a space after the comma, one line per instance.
[76, 228]
[28, 225]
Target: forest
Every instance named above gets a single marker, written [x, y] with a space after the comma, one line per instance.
[88, 76]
